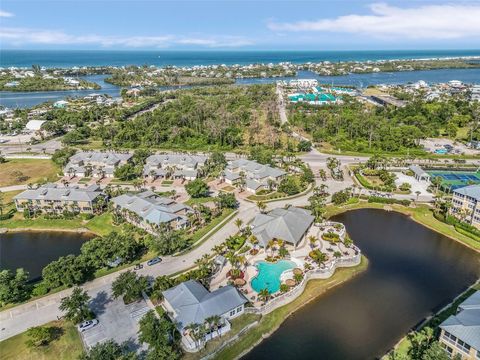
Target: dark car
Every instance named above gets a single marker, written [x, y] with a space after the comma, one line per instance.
[154, 261]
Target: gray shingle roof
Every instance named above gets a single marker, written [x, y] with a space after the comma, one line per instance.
[193, 303]
[284, 224]
[472, 191]
[465, 325]
[53, 192]
[151, 207]
[418, 170]
[180, 160]
[107, 158]
[255, 170]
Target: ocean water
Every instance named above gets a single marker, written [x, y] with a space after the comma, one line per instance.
[70, 58]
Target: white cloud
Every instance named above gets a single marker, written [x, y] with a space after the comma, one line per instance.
[20, 36]
[446, 21]
[5, 14]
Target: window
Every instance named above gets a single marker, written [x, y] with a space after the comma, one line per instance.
[478, 354]
[239, 309]
[232, 312]
[463, 346]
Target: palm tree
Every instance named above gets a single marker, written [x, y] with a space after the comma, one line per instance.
[238, 223]
[312, 240]
[194, 330]
[261, 206]
[418, 194]
[264, 294]
[271, 246]
[254, 241]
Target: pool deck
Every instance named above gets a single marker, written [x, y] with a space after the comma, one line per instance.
[300, 256]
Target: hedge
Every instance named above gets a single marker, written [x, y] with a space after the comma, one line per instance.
[381, 200]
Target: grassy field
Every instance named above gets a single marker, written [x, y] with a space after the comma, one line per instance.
[67, 346]
[202, 200]
[29, 171]
[422, 214]
[270, 322]
[100, 225]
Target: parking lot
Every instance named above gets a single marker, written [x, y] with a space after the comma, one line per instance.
[117, 321]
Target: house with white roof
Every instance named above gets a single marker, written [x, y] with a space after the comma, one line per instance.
[95, 163]
[34, 125]
[465, 204]
[182, 166]
[257, 176]
[52, 198]
[190, 303]
[149, 211]
[460, 333]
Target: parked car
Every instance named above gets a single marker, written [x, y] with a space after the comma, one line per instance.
[154, 261]
[138, 267]
[87, 325]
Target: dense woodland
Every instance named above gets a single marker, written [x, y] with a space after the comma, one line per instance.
[225, 117]
[361, 127]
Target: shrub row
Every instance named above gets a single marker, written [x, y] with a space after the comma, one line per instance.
[381, 200]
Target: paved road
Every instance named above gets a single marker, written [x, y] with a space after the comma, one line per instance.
[13, 188]
[41, 311]
[47, 147]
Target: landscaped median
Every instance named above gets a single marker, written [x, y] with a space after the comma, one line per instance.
[272, 321]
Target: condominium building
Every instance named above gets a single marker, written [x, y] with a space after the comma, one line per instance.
[149, 211]
[257, 176]
[95, 163]
[181, 166]
[52, 198]
[460, 333]
[465, 204]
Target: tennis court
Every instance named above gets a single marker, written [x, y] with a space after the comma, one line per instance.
[456, 179]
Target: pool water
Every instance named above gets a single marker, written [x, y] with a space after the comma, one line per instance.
[268, 276]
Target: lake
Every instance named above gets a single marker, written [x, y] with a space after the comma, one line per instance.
[13, 99]
[413, 272]
[33, 250]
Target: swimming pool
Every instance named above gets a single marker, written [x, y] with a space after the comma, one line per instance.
[268, 276]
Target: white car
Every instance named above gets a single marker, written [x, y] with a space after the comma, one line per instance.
[87, 325]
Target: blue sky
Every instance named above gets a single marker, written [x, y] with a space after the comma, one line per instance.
[247, 24]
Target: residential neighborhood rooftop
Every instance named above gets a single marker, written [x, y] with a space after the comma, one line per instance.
[193, 303]
[465, 325]
[52, 191]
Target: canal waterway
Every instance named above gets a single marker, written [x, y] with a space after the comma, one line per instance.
[413, 272]
[33, 250]
[14, 99]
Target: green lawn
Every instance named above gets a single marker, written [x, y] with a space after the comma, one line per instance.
[202, 200]
[67, 346]
[422, 214]
[197, 235]
[25, 171]
[99, 224]
[273, 320]
[237, 325]
[270, 196]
